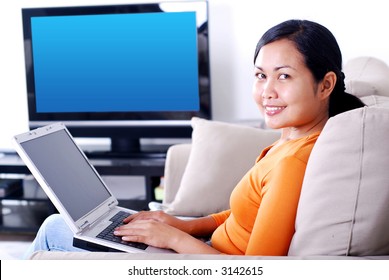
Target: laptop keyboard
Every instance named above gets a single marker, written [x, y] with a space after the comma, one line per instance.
[117, 220]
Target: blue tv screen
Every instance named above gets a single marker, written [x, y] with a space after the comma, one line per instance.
[116, 62]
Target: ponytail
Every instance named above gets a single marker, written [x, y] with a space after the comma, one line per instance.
[341, 101]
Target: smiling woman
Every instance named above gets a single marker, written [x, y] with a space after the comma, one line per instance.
[298, 86]
[288, 92]
[298, 70]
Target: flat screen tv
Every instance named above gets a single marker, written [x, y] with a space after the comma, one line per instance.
[125, 72]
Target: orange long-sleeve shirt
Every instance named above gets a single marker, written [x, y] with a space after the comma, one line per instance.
[264, 203]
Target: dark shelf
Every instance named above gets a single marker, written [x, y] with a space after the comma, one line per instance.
[25, 217]
[32, 206]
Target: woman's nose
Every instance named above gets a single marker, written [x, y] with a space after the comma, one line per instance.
[269, 91]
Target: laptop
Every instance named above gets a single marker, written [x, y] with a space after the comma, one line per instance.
[76, 189]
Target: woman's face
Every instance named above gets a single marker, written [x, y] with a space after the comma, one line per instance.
[285, 89]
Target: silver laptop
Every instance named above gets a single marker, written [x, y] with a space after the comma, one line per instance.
[75, 188]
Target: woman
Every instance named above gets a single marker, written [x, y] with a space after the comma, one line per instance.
[298, 85]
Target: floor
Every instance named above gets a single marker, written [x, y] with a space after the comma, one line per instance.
[13, 246]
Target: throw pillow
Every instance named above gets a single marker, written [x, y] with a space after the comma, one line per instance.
[221, 154]
[344, 204]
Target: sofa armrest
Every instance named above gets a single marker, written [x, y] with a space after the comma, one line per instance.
[176, 161]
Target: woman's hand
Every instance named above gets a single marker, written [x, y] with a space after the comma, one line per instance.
[203, 226]
[162, 235]
[150, 231]
[158, 229]
[159, 216]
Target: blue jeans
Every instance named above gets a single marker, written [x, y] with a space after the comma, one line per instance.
[53, 235]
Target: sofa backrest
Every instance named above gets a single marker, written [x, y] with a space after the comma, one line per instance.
[366, 76]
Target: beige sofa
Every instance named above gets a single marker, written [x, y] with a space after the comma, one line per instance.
[344, 205]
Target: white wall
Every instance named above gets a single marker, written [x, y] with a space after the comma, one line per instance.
[235, 27]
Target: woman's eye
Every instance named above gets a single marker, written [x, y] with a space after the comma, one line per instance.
[260, 76]
[284, 76]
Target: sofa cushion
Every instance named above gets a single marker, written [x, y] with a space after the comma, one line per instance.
[344, 204]
[367, 76]
[376, 101]
[221, 154]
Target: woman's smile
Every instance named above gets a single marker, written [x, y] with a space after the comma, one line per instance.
[273, 110]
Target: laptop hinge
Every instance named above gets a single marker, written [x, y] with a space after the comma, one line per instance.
[112, 205]
[85, 225]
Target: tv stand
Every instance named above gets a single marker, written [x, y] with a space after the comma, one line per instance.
[132, 148]
[125, 145]
[129, 149]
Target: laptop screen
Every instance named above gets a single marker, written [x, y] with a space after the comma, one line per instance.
[67, 172]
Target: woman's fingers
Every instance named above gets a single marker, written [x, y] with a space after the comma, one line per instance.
[149, 231]
[144, 215]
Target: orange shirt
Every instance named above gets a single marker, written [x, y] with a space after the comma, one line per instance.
[264, 203]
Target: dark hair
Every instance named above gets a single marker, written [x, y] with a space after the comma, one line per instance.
[321, 53]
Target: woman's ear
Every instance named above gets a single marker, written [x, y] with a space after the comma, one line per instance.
[327, 84]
